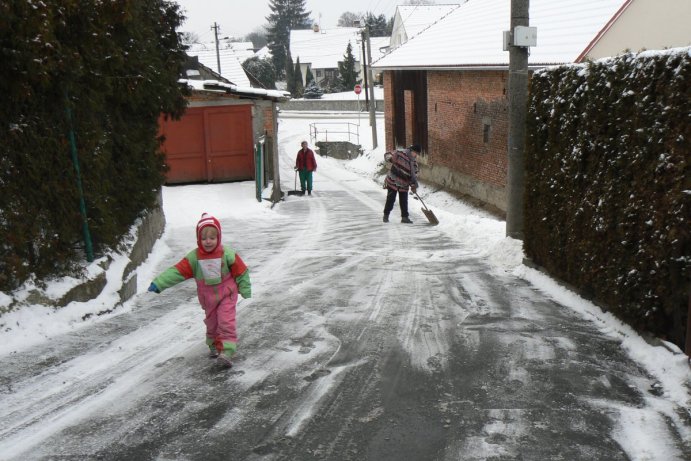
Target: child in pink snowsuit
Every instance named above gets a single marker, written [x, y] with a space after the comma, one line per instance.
[220, 274]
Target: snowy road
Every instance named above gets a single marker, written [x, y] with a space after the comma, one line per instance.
[363, 341]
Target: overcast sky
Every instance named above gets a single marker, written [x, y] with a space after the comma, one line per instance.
[240, 17]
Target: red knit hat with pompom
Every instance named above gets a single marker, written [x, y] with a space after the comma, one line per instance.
[208, 221]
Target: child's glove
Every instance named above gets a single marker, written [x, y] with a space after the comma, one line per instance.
[153, 288]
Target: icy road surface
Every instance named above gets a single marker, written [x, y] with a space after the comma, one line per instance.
[363, 341]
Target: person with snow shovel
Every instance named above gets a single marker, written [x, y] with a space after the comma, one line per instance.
[305, 165]
[401, 176]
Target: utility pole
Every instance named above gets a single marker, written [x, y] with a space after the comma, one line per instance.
[218, 55]
[364, 69]
[372, 108]
[518, 99]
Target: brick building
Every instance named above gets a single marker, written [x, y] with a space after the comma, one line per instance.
[446, 87]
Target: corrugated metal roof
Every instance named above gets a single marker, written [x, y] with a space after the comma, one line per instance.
[232, 55]
[471, 35]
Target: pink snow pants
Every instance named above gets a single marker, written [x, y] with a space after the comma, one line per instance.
[218, 302]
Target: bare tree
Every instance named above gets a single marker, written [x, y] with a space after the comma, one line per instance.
[189, 38]
[258, 37]
[349, 18]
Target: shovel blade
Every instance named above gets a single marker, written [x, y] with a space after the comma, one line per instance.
[430, 216]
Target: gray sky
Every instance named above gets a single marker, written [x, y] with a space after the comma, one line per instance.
[240, 17]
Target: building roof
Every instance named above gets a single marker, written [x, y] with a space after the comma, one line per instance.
[243, 92]
[324, 48]
[471, 36]
[232, 55]
[410, 20]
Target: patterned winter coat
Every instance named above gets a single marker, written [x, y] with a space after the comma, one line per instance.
[403, 172]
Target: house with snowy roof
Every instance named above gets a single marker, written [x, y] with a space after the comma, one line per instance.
[446, 87]
[321, 50]
[410, 20]
[230, 57]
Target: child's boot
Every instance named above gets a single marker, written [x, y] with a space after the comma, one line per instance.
[224, 361]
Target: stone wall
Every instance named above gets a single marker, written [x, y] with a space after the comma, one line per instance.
[148, 232]
[149, 229]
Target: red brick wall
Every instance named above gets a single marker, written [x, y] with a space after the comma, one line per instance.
[409, 104]
[459, 105]
[388, 110]
[269, 121]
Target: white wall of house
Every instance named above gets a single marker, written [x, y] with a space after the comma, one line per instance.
[409, 20]
[646, 24]
[398, 34]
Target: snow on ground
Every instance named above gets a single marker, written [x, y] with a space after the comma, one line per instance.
[35, 324]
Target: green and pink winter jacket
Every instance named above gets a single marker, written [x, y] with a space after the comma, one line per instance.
[208, 271]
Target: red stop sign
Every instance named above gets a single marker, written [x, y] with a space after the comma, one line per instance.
[358, 89]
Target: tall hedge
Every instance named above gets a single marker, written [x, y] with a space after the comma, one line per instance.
[608, 199]
[113, 66]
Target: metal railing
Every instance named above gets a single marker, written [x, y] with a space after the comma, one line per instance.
[334, 131]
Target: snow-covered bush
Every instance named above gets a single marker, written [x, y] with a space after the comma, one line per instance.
[312, 91]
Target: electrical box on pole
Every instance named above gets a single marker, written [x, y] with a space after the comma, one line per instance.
[524, 36]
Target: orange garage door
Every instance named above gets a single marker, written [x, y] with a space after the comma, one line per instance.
[209, 144]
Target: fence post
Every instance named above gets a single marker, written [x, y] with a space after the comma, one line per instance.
[259, 168]
[88, 244]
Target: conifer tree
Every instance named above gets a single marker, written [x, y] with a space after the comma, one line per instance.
[290, 74]
[312, 91]
[285, 16]
[261, 70]
[299, 87]
[309, 77]
[377, 25]
[348, 75]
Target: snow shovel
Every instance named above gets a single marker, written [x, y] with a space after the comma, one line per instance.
[428, 213]
[295, 190]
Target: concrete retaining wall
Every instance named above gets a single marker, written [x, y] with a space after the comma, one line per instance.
[340, 150]
[481, 194]
[329, 105]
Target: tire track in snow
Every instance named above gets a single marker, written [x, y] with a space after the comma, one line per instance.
[48, 402]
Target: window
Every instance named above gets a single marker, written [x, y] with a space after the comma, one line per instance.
[486, 129]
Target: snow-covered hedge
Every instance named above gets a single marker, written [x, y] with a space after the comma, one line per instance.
[83, 85]
[608, 184]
